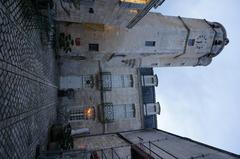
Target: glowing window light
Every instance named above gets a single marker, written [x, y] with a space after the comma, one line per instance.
[89, 113]
[136, 1]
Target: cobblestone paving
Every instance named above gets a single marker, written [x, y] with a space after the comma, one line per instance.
[28, 92]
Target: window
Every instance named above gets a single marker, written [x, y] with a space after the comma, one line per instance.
[133, 4]
[80, 113]
[123, 111]
[93, 47]
[149, 80]
[154, 64]
[110, 81]
[167, 64]
[191, 42]
[218, 42]
[122, 81]
[76, 114]
[76, 82]
[135, 1]
[152, 108]
[150, 43]
[91, 11]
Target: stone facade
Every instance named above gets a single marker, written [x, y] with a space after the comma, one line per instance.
[114, 12]
[155, 41]
[71, 73]
[101, 61]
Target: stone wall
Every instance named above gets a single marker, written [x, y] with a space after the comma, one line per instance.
[170, 146]
[107, 143]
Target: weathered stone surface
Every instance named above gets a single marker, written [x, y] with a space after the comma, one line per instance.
[27, 81]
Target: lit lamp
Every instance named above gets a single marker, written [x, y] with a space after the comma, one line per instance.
[89, 113]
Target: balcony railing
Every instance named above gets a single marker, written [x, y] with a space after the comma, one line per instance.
[109, 153]
[154, 150]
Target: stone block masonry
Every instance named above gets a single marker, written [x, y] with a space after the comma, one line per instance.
[28, 91]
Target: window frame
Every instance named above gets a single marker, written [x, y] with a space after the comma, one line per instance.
[128, 111]
[122, 81]
[93, 47]
[191, 42]
[76, 114]
[150, 43]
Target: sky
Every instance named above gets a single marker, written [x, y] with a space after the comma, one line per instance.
[202, 103]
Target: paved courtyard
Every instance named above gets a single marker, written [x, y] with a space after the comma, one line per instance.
[28, 88]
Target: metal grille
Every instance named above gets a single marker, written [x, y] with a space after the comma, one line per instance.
[106, 81]
[108, 112]
[27, 79]
[108, 153]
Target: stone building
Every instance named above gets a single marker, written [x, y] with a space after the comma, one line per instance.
[155, 41]
[148, 143]
[102, 80]
[107, 84]
[113, 94]
[101, 58]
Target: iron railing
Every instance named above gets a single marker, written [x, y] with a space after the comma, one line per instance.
[108, 153]
[154, 149]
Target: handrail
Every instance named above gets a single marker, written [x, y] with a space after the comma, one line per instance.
[114, 152]
[151, 151]
[78, 151]
[163, 150]
[143, 12]
[103, 154]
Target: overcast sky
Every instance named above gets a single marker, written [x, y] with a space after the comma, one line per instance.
[202, 103]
